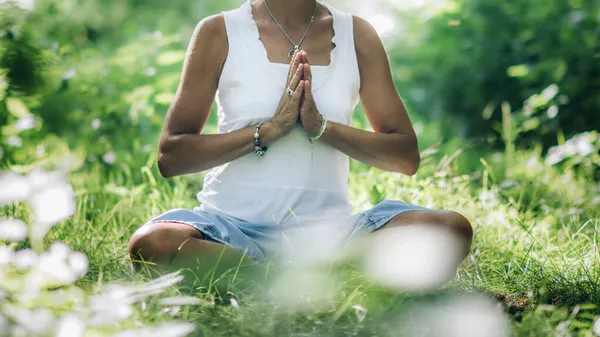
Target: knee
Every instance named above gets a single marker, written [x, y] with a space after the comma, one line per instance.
[156, 243]
[459, 225]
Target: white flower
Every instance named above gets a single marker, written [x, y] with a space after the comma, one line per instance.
[15, 187]
[416, 258]
[150, 71]
[596, 327]
[13, 230]
[51, 205]
[468, 316]
[14, 141]
[78, 263]
[552, 112]
[550, 92]
[37, 322]
[96, 123]
[110, 158]
[26, 4]
[69, 74]
[6, 255]
[26, 259]
[70, 326]
[26, 123]
[111, 306]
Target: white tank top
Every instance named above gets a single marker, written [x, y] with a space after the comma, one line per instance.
[295, 181]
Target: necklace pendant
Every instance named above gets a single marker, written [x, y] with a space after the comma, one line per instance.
[292, 51]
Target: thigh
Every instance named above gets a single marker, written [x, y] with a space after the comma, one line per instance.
[213, 227]
[448, 220]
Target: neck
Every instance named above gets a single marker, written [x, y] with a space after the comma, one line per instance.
[291, 12]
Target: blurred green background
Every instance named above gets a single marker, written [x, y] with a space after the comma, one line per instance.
[476, 74]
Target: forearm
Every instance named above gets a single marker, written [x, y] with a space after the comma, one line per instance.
[181, 154]
[394, 152]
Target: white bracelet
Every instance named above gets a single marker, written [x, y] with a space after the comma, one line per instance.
[321, 132]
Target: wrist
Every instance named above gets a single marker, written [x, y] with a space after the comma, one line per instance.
[270, 133]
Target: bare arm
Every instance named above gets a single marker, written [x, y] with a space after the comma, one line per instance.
[182, 148]
[393, 146]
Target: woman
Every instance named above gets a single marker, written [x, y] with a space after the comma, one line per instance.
[287, 75]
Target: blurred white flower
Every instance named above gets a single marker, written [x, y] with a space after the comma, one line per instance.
[414, 258]
[26, 259]
[550, 92]
[110, 158]
[552, 112]
[166, 329]
[61, 265]
[6, 255]
[96, 123]
[70, 326]
[583, 145]
[151, 71]
[303, 289]
[15, 187]
[26, 4]
[465, 316]
[596, 327]
[51, 205]
[14, 141]
[111, 306]
[26, 123]
[12, 230]
[37, 322]
[180, 301]
[69, 74]
[78, 263]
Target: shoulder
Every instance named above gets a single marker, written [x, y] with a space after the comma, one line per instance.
[210, 30]
[209, 40]
[366, 39]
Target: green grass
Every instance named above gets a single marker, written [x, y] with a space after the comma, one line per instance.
[535, 250]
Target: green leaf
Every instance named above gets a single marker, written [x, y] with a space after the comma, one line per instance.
[170, 57]
[16, 107]
[520, 70]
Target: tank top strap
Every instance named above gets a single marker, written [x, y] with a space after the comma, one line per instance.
[345, 49]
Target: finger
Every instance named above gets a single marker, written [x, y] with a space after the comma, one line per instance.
[307, 72]
[297, 78]
[298, 93]
[296, 63]
[308, 97]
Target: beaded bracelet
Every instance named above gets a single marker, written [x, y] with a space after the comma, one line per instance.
[258, 149]
[321, 132]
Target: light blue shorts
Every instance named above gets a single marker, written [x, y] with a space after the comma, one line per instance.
[264, 241]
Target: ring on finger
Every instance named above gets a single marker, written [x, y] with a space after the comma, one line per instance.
[289, 91]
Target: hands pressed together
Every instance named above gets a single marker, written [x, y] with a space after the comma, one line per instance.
[299, 106]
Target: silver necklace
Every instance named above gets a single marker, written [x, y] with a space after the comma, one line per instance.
[296, 46]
